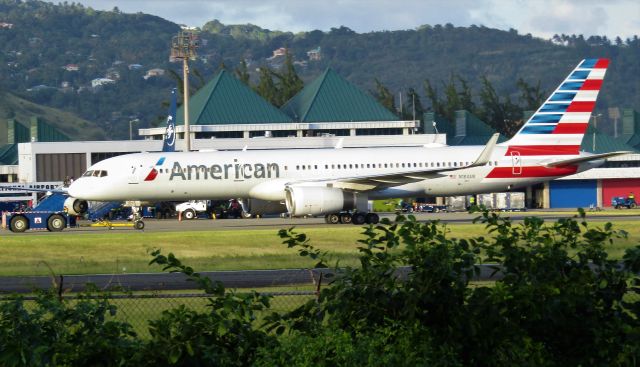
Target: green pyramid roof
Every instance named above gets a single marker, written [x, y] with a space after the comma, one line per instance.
[472, 130]
[332, 98]
[226, 100]
[603, 143]
[9, 154]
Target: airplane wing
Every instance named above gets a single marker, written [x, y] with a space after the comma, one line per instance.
[370, 182]
[572, 161]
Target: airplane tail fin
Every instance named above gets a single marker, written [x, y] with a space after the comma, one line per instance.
[170, 134]
[558, 126]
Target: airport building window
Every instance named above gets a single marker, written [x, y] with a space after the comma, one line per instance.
[380, 131]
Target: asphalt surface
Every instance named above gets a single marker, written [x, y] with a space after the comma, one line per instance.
[173, 225]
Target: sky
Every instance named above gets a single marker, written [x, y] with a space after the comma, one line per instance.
[541, 18]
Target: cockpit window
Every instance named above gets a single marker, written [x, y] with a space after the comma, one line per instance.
[99, 173]
[87, 174]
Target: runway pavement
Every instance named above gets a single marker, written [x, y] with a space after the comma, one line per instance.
[173, 225]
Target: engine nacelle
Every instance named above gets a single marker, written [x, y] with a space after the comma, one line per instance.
[75, 206]
[256, 207]
[309, 200]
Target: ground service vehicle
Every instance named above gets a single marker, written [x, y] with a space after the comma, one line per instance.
[620, 202]
[192, 208]
[53, 221]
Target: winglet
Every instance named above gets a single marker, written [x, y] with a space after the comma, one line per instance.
[485, 156]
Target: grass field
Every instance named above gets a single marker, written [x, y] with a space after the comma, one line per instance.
[128, 252]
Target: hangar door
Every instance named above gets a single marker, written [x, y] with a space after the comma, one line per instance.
[55, 167]
[619, 187]
[573, 193]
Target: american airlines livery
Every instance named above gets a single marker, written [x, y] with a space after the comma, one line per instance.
[338, 182]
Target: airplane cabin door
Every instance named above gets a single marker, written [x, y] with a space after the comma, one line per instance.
[134, 175]
[516, 163]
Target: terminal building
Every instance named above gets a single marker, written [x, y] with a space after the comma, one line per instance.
[227, 115]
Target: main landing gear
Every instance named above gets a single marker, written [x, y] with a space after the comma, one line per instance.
[356, 218]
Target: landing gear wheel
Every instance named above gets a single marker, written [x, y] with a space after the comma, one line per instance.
[19, 224]
[56, 223]
[372, 218]
[138, 225]
[333, 219]
[358, 218]
[345, 218]
[189, 214]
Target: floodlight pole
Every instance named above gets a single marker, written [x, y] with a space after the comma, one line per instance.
[187, 131]
[183, 47]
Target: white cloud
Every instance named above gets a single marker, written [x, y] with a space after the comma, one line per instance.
[542, 18]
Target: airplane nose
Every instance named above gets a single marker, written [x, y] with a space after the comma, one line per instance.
[73, 189]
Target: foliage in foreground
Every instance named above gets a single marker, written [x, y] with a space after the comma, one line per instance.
[557, 300]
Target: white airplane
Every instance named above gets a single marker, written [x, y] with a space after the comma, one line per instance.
[338, 182]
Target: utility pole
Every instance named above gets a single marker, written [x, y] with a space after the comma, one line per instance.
[595, 125]
[183, 47]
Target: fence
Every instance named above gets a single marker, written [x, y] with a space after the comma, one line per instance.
[139, 309]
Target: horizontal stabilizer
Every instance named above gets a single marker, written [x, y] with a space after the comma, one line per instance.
[594, 157]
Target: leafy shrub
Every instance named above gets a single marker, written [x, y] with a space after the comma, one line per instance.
[63, 333]
[559, 300]
[223, 335]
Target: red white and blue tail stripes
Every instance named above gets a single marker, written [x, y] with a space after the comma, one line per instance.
[558, 126]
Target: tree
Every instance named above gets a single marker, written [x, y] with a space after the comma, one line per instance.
[501, 114]
[289, 81]
[384, 96]
[266, 87]
[242, 72]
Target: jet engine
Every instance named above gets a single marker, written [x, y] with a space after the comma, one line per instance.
[256, 207]
[309, 200]
[75, 206]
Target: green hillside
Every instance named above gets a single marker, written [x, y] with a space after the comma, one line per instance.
[51, 54]
[73, 126]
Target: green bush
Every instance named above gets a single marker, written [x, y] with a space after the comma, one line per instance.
[560, 300]
[391, 346]
[53, 332]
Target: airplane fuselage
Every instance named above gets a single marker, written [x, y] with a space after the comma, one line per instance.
[264, 174]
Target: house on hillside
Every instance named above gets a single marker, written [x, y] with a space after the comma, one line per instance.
[282, 51]
[135, 66]
[5, 25]
[99, 82]
[71, 67]
[112, 74]
[152, 73]
[314, 55]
